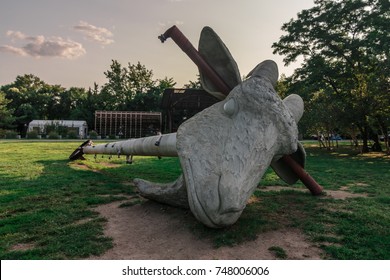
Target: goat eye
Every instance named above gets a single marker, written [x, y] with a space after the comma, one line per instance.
[230, 107]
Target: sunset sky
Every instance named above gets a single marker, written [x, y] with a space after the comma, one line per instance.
[72, 43]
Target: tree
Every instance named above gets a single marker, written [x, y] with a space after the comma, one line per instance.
[6, 117]
[194, 84]
[151, 100]
[65, 102]
[345, 47]
[124, 84]
[31, 98]
[132, 88]
[23, 101]
[128, 88]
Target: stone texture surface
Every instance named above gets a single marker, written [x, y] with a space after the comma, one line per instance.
[215, 53]
[224, 155]
[174, 194]
[225, 149]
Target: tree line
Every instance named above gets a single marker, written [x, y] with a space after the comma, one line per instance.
[130, 88]
[344, 77]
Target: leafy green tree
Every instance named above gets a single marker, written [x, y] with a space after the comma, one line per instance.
[65, 102]
[151, 100]
[128, 88]
[6, 115]
[194, 84]
[345, 48]
[132, 88]
[114, 92]
[124, 84]
[23, 102]
[50, 98]
[31, 98]
[140, 79]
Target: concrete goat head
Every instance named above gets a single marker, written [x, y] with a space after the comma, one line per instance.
[225, 150]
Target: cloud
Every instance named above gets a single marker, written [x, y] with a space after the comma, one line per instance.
[100, 35]
[13, 50]
[15, 35]
[39, 46]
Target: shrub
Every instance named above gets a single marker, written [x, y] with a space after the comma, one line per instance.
[49, 128]
[11, 134]
[72, 135]
[63, 131]
[2, 133]
[32, 134]
[93, 134]
[112, 136]
[53, 135]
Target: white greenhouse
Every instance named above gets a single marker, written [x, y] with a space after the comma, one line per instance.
[77, 126]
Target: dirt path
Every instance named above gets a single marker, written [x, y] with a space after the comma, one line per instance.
[154, 231]
[343, 193]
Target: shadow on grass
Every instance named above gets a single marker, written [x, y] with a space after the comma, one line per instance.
[48, 212]
[50, 215]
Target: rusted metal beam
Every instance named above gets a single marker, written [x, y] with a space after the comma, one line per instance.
[305, 178]
[186, 46]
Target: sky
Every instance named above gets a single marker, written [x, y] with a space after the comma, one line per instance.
[73, 42]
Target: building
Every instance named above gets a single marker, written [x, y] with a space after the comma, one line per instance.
[179, 105]
[127, 124]
[80, 128]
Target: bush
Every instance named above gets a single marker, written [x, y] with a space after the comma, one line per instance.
[32, 134]
[49, 128]
[63, 131]
[11, 134]
[72, 135]
[112, 136]
[53, 135]
[93, 134]
[2, 133]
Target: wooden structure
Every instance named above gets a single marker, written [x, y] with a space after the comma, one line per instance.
[127, 124]
[181, 104]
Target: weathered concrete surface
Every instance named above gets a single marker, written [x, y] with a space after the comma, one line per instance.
[215, 53]
[225, 150]
[174, 194]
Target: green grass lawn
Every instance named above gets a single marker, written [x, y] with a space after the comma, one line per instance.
[46, 202]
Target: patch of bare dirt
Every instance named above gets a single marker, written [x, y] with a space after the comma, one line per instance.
[155, 231]
[84, 167]
[282, 188]
[110, 164]
[340, 194]
[336, 194]
[22, 247]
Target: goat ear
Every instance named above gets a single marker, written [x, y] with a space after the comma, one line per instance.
[295, 105]
[217, 55]
[267, 69]
[284, 171]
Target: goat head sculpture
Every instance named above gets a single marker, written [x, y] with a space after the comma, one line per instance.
[225, 150]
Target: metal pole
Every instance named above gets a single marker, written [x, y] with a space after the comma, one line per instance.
[195, 56]
[145, 146]
[305, 178]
